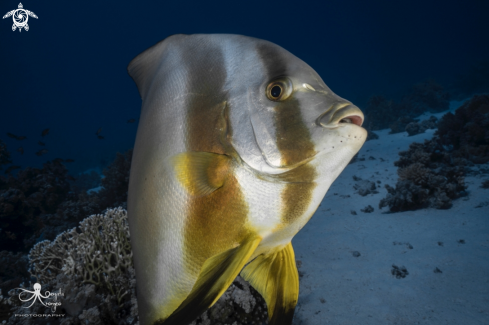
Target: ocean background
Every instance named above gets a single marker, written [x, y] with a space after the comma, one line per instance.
[67, 73]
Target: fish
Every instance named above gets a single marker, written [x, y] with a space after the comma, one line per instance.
[22, 137]
[237, 144]
[9, 169]
[21, 150]
[131, 120]
[69, 160]
[98, 131]
[41, 143]
[100, 137]
[10, 135]
[45, 132]
[42, 152]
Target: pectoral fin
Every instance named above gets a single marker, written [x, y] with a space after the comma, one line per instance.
[217, 274]
[201, 173]
[275, 277]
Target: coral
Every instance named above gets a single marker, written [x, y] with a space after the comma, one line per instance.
[400, 124]
[414, 128]
[428, 177]
[239, 305]
[86, 181]
[468, 130]
[24, 198]
[99, 254]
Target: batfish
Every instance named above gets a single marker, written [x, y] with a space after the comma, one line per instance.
[237, 143]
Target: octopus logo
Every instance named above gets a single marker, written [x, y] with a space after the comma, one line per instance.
[20, 17]
[37, 295]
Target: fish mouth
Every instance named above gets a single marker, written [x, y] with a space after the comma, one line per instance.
[340, 115]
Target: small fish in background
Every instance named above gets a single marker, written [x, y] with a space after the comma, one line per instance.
[13, 136]
[101, 137]
[98, 131]
[45, 132]
[21, 150]
[131, 120]
[42, 152]
[8, 170]
[41, 143]
[69, 160]
[58, 160]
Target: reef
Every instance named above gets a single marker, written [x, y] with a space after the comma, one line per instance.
[467, 131]
[432, 174]
[92, 265]
[414, 128]
[428, 177]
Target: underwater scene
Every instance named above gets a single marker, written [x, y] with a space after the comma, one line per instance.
[238, 163]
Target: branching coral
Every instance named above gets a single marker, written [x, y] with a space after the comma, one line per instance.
[99, 254]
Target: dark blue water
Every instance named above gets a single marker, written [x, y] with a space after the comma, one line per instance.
[68, 72]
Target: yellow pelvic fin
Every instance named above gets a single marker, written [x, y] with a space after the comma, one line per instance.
[275, 277]
[201, 173]
[217, 274]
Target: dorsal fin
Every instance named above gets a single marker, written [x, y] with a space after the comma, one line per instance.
[143, 67]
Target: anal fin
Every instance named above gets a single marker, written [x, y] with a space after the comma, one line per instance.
[217, 274]
[276, 278]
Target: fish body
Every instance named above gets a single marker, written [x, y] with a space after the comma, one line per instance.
[100, 137]
[21, 150]
[98, 131]
[41, 143]
[45, 132]
[238, 142]
[131, 120]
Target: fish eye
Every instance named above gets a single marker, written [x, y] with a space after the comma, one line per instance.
[279, 89]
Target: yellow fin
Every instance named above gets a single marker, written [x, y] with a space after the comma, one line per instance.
[201, 173]
[217, 274]
[275, 277]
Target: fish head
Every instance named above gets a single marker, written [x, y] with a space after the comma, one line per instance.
[291, 118]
